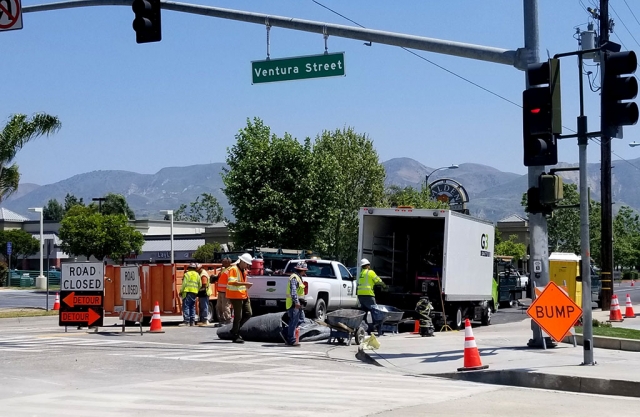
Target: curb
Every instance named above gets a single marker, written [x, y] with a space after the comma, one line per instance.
[603, 342]
[525, 379]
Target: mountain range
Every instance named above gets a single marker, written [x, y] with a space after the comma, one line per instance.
[493, 194]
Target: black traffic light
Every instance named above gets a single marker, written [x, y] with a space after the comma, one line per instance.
[541, 114]
[617, 87]
[147, 20]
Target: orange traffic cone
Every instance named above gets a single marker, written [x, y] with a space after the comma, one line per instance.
[628, 313]
[633, 283]
[156, 322]
[472, 360]
[614, 313]
[56, 304]
[416, 327]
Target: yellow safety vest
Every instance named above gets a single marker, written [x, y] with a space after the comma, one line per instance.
[300, 291]
[190, 282]
[367, 281]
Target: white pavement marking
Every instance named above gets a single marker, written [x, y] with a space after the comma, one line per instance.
[271, 392]
[40, 343]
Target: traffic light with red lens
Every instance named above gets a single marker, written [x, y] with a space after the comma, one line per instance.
[541, 114]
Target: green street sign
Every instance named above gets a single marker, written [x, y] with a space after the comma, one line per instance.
[297, 68]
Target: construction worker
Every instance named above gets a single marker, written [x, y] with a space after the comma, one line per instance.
[237, 286]
[203, 296]
[223, 306]
[295, 290]
[188, 293]
[368, 279]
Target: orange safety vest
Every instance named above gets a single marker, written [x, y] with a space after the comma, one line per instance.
[221, 285]
[235, 291]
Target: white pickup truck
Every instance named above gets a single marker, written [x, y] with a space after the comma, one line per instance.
[328, 286]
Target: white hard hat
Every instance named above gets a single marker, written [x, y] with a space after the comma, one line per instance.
[364, 262]
[246, 258]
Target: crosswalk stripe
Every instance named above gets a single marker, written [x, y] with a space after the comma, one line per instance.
[350, 392]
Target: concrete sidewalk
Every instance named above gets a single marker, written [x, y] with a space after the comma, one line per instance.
[511, 362]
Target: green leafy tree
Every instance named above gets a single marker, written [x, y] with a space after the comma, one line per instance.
[18, 131]
[626, 238]
[86, 232]
[408, 196]
[512, 248]
[23, 244]
[206, 253]
[356, 178]
[270, 185]
[205, 208]
[53, 211]
[117, 204]
[70, 201]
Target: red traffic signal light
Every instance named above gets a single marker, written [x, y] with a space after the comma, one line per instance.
[541, 114]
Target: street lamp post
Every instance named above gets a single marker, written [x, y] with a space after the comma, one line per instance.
[170, 213]
[438, 169]
[41, 281]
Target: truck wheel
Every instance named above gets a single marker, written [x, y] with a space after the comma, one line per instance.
[458, 319]
[320, 311]
[486, 316]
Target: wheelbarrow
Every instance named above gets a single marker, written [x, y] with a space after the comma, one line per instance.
[386, 318]
[344, 325]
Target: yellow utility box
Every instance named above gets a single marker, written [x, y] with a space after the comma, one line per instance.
[564, 268]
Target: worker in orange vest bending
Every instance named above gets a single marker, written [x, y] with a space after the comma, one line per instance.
[237, 286]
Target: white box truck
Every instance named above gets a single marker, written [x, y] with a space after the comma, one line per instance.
[442, 254]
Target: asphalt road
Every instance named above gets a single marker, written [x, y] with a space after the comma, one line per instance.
[25, 298]
[189, 372]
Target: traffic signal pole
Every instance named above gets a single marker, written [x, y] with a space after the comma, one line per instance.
[606, 240]
[539, 240]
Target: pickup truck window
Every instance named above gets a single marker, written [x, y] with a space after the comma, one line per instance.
[344, 273]
[315, 269]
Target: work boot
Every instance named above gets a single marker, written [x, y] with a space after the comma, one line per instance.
[203, 323]
[238, 340]
[192, 324]
[293, 344]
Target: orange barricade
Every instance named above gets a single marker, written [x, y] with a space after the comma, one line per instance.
[157, 283]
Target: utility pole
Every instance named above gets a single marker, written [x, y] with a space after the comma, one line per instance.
[606, 241]
[538, 244]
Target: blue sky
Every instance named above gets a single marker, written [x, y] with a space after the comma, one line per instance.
[181, 101]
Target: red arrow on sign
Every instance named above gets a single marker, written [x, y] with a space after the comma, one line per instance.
[89, 317]
[82, 300]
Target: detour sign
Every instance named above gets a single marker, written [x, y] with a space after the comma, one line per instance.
[554, 311]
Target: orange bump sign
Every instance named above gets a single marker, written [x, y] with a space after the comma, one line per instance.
[554, 311]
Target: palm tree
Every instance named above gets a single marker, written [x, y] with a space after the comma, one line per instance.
[16, 133]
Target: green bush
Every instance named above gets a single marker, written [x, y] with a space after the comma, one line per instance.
[598, 323]
[630, 275]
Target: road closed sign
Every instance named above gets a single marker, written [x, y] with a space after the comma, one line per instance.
[130, 283]
[82, 294]
[554, 311]
[87, 276]
[10, 15]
